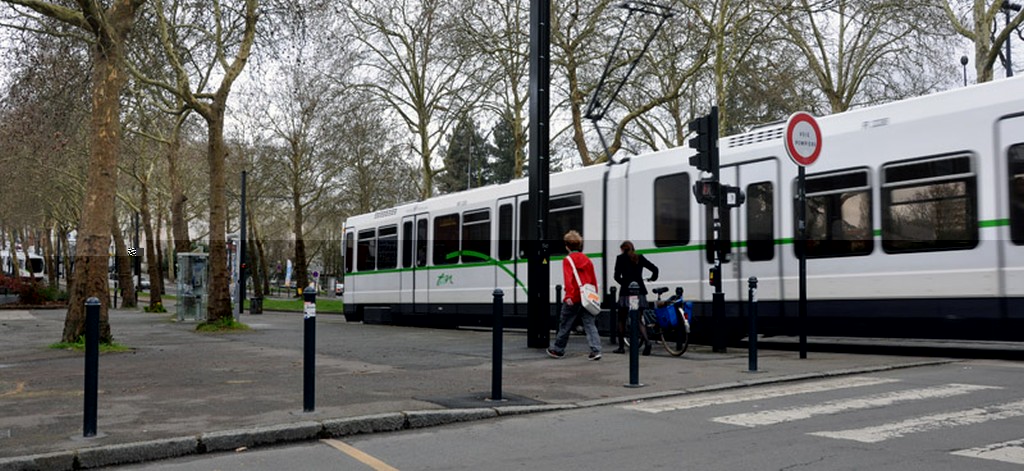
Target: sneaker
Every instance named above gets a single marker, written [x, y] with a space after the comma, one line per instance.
[553, 354]
[647, 348]
[619, 350]
[594, 356]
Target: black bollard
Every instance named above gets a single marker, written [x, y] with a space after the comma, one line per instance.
[309, 348]
[92, 363]
[752, 312]
[634, 336]
[613, 329]
[497, 345]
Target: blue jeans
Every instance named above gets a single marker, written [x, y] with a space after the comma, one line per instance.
[565, 322]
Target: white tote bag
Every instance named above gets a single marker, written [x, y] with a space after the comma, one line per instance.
[589, 298]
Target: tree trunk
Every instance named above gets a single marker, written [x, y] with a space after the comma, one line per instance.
[152, 261]
[219, 295]
[108, 78]
[263, 265]
[257, 266]
[179, 226]
[125, 280]
[301, 270]
[50, 257]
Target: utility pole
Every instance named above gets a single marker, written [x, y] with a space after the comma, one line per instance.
[538, 304]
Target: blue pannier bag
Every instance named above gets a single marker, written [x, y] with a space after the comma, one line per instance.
[666, 315]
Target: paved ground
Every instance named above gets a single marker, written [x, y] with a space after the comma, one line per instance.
[181, 392]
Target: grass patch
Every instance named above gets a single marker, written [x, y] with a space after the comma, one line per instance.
[323, 306]
[226, 324]
[80, 346]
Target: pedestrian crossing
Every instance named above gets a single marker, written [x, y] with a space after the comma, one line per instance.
[1010, 451]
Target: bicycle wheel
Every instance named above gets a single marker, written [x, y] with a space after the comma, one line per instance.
[676, 339]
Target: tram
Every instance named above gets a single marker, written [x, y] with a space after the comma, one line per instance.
[915, 219]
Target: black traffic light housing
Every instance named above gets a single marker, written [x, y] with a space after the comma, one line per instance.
[706, 191]
[705, 142]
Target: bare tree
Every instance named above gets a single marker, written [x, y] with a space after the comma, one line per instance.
[106, 29]
[199, 48]
[854, 48]
[415, 70]
[977, 20]
[498, 30]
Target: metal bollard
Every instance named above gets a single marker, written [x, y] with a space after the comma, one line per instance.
[309, 349]
[92, 361]
[613, 329]
[497, 344]
[634, 336]
[752, 313]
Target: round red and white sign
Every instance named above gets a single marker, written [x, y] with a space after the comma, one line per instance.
[803, 138]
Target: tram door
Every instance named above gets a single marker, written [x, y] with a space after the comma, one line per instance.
[1011, 158]
[753, 229]
[510, 276]
[414, 285]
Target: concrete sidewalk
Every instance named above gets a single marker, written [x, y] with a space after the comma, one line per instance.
[180, 392]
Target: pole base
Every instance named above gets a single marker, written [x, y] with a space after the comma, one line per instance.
[637, 385]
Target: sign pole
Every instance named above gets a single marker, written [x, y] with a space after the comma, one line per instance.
[803, 144]
[802, 255]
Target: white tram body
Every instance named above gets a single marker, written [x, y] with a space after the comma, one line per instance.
[915, 215]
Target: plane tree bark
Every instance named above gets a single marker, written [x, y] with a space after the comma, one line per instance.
[107, 29]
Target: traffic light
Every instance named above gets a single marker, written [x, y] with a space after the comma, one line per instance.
[706, 142]
[714, 277]
[706, 191]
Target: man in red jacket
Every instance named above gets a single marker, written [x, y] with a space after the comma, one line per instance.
[571, 308]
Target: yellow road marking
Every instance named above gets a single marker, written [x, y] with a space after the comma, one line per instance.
[17, 390]
[359, 455]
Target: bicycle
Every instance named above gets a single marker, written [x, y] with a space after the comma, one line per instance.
[669, 321]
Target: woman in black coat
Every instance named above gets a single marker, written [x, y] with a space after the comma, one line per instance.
[629, 268]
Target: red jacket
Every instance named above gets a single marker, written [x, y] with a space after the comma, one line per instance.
[586, 271]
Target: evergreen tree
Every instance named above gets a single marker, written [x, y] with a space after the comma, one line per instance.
[467, 159]
[504, 164]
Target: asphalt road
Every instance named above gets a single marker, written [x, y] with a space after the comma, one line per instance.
[965, 415]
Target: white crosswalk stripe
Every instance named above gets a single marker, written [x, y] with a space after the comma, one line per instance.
[753, 394]
[1007, 452]
[927, 423]
[777, 416]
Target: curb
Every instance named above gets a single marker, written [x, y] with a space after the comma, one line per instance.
[228, 440]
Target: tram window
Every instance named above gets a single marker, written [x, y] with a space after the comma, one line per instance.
[446, 239]
[760, 221]
[838, 213]
[505, 232]
[929, 204]
[672, 210]
[476, 235]
[1016, 155]
[367, 250]
[565, 212]
[387, 247]
[421, 243]
[406, 244]
[349, 242]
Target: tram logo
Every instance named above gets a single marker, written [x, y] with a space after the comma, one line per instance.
[445, 279]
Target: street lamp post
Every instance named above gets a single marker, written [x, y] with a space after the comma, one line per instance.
[1007, 7]
[963, 62]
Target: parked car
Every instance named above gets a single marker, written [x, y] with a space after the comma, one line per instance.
[339, 289]
[143, 283]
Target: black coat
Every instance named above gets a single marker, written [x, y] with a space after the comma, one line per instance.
[627, 272]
